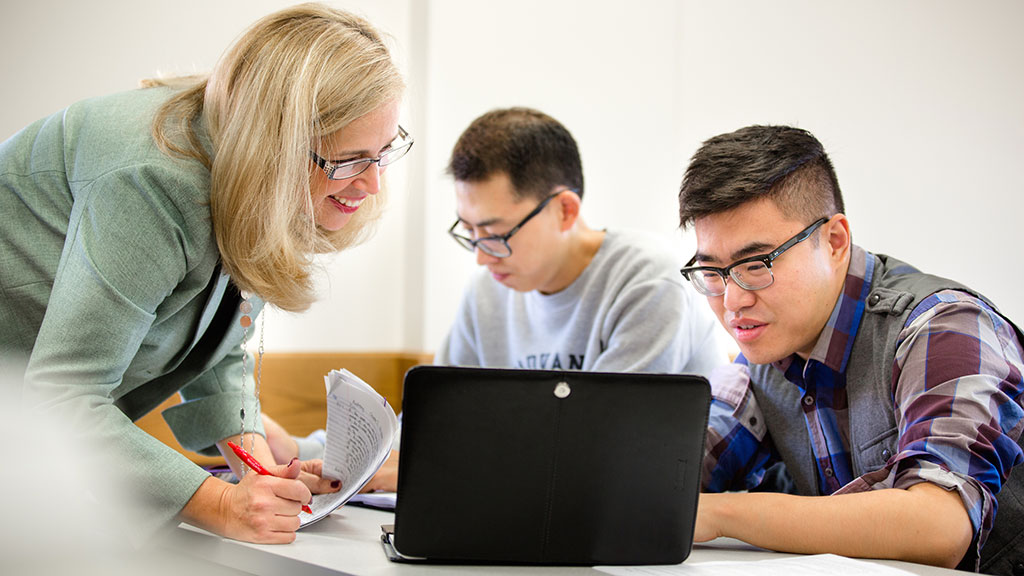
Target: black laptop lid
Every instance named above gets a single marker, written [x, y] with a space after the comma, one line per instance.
[549, 467]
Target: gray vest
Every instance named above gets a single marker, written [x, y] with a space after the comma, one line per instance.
[896, 289]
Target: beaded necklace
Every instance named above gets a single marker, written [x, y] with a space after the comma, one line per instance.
[246, 321]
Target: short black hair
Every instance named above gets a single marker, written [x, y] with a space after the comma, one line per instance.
[533, 149]
[785, 164]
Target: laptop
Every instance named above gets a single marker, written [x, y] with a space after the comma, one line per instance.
[548, 467]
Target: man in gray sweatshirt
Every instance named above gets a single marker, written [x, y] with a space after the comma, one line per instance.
[555, 293]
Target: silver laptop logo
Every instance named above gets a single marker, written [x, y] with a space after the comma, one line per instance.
[562, 390]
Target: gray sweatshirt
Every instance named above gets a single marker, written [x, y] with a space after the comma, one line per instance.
[629, 311]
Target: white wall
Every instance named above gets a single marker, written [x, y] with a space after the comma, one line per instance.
[918, 102]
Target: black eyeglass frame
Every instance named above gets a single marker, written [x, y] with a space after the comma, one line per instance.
[471, 244]
[385, 159]
[766, 259]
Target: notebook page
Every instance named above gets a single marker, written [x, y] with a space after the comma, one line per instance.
[361, 426]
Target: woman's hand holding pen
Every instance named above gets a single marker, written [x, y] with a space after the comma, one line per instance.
[265, 506]
[265, 509]
[261, 509]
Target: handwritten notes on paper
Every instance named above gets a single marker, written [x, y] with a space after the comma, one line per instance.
[361, 426]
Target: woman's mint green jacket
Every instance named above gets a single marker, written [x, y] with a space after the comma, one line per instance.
[111, 291]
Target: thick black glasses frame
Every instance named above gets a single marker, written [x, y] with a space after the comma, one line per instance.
[766, 259]
[330, 168]
[471, 245]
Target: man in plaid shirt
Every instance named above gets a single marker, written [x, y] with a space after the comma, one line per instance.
[896, 394]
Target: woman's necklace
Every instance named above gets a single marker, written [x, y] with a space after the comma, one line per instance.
[246, 322]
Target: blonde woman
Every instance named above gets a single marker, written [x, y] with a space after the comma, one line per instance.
[143, 231]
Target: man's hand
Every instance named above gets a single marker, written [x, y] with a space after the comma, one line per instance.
[925, 523]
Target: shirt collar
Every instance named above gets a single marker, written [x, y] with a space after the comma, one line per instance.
[836, 340]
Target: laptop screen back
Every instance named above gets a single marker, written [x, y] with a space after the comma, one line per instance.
[549, 467]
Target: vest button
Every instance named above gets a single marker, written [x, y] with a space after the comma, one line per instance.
[808, 400]
[886, 454]
[875, 299]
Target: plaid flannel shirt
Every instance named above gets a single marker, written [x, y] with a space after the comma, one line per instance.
[957, 397]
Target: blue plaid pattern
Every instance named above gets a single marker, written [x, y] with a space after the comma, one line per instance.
[957, 395]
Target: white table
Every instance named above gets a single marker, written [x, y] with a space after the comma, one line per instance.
[348, 542]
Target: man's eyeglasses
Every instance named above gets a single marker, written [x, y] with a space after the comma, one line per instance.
[753, 273]
[353, 168]
[497, 246]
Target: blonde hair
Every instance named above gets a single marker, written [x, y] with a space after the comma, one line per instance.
[289, 82]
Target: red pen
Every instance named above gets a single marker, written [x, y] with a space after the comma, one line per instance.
[257, 467]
